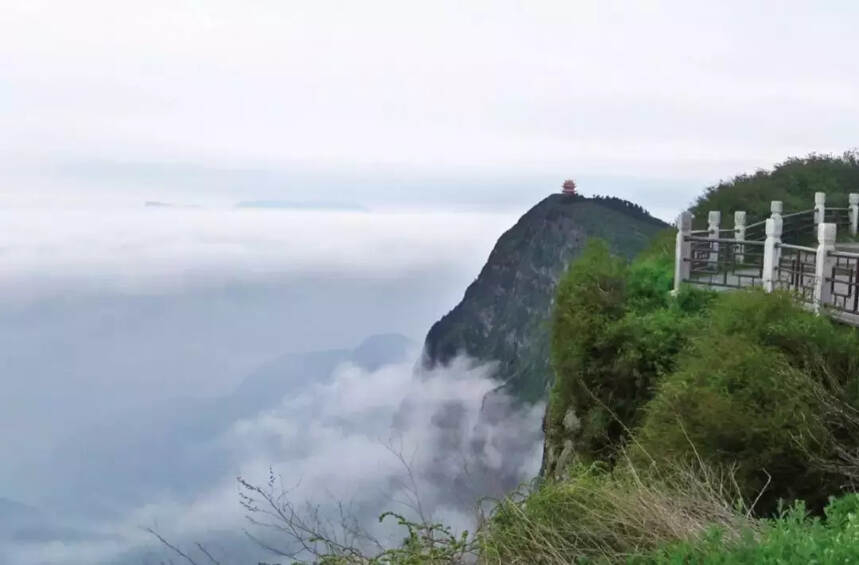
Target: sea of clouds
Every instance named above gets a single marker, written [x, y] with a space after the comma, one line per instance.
[116, 324]
[58, 251]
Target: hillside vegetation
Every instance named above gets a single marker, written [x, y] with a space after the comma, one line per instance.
[794, 182]
[680, 428]
[697, 428]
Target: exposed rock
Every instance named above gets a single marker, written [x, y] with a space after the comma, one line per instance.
[504, 315]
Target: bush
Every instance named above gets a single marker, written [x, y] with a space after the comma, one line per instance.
[792, 538]
[615, 330]
[826, 351]
[590, 298]
[745, 394]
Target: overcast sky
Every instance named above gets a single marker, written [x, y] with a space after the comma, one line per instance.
[391, 103]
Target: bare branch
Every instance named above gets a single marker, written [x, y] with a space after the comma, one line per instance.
[207, 554]
[172, 547]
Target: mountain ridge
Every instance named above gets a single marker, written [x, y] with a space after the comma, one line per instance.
[504, 313]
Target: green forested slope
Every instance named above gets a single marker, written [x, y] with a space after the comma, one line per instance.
[794, 182]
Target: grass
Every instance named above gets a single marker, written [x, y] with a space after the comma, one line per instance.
[793, 537]
[692, 515]
[611, 516]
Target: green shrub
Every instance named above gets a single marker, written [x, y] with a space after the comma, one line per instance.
[793, 538]
[615, 330]
[745, 393]
[651, 276]
[826, 351]
[590, 298]
[742, 379]
[734, 402]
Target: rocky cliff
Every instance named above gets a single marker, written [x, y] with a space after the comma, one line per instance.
[504, 314]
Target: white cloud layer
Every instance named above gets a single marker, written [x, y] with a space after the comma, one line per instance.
[332, 442]
[106, 312]
[149, 251]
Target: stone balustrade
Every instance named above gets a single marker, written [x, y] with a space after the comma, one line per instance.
[795, 252]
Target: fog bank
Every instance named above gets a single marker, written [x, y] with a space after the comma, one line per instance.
[371, 440]
[150, 356]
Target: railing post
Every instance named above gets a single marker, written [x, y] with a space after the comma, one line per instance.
[714, 218]
[683, 250]
[776, 209]
[853, 212]
[771, 252]
[739, 236]
[823, 264]
[819, 207]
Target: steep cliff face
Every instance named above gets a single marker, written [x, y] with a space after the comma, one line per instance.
[504, 314]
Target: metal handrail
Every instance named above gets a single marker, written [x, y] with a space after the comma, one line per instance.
[796, 247]
[792, 214]
[845, 254]
[723, 240]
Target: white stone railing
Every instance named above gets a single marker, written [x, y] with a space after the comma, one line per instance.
[755, 255]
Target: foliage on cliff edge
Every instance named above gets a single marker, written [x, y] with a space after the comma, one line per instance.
[742, 379]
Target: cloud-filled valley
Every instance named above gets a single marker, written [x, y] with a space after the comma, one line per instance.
[151, 356]
[340, 438]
